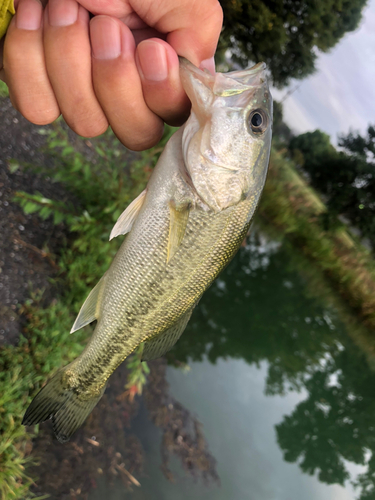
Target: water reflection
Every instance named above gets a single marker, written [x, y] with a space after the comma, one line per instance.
[262, 309]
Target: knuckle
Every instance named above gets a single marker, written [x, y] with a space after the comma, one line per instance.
[144, 140]
[87, 125]
[217, 12]
[214, 20]
[210, 12]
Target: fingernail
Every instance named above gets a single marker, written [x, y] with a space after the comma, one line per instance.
[62, 12]
[153, 60]
[105, 37]
[29, 15]
[208, 64]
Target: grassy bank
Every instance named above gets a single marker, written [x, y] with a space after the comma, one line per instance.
[100, 190]
[98, 194]
[3, 89]
[290, 205]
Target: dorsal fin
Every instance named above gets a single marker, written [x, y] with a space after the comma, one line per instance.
[158, 346]
[90, 310]
[126, 220]
[177, 226]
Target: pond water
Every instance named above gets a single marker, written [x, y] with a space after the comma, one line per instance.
[285, 395]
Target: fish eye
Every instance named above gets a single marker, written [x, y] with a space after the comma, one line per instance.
[257, 121]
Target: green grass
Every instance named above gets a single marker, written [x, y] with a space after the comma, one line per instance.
[3, 89]
[102, 190]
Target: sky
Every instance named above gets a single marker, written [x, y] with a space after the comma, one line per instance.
[340, 96]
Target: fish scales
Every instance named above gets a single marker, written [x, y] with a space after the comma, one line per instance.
[151, 320]
[184, 229]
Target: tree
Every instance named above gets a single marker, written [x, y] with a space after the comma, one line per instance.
[360, 147]
[286, 33]
[315, 147]
[346, 178]
[281, 133]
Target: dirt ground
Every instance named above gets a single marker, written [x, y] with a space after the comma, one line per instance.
[24, 239]
[105, 444]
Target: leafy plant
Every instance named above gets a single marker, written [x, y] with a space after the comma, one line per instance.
[98, 190]
[3, 89]
[138, 371]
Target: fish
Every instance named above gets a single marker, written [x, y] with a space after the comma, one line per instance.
[181, 232]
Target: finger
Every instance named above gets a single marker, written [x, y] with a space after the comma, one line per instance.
[158, 67]
[145, 33]
[24, 65]
[118, 86]
[121, 9]
[2, 73]
[68, 59]
[193, 26]
[113, 8]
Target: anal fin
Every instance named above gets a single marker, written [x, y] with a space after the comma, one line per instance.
[126, 220]
[179, 217]
[157, 347]
[89, 312]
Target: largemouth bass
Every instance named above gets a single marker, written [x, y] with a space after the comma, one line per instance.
[183, 230]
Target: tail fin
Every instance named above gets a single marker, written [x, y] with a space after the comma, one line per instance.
[68, 407]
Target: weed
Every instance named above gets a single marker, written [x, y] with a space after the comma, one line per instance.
[100, 194]
[3, 89]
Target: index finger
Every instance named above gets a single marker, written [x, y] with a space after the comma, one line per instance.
[193, 29]
[192, 26]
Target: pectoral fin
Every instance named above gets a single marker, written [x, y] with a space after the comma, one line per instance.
[177, 226]
[126, 220]
[157, 347]
[90, 310]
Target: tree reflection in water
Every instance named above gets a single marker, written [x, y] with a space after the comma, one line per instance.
[262, 308]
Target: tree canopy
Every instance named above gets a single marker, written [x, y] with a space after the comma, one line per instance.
[286, 34]
[346, 178]
[281, 133]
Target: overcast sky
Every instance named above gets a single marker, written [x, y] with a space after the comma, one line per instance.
[341, 95]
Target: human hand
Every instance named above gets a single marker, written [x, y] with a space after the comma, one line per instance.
[115, 69]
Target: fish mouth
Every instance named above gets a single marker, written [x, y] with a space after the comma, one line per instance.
[246, 73]
[203, 75]
[238, 82]
[228, 84]
[253, 70]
